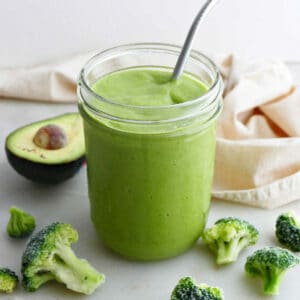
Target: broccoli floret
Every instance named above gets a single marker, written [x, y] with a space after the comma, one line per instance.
[21, 224]
[228, 237]
[210, 293]
[271, 263]
[8, 280]
[288, 231]
[186, 289]
[48, 256]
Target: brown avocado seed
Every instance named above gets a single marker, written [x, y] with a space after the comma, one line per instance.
[50, 137]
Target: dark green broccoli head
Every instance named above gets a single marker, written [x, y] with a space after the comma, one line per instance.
[270, 264]
[288, 231]
[48, 256]
[21, 224]
[228, 237]
[186, 289]
[8, 280]
[210, 293]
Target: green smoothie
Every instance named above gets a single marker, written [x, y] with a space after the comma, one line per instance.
[149, 192]
[146, 87]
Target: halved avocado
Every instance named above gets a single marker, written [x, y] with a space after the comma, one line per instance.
[47, 165]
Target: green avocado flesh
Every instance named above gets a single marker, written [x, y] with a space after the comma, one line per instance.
[20, 142]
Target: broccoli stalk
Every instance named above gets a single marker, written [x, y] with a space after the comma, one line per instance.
[288, 231]
[229, 251]
[48, 256]
[228, 237]
[186, 289]
[74, 272]
[8, 280]
[21, 224]
[271, 264]
[272, 281]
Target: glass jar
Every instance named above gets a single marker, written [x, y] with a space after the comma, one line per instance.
[150, 168]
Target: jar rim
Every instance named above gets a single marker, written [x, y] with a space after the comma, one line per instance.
[197, 55]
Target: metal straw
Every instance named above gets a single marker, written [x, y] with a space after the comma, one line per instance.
[186, 49]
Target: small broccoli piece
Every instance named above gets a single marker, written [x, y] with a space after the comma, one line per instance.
[48, 256]
[271, 263]
[8, 280]
[21, 224]
[210, 293]
[228, 237]
[288, 231]
[186, 289]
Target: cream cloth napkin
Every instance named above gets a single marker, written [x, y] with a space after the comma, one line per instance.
[258, 134]
[258, 148]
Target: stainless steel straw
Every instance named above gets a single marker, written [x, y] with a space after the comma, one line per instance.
[186, 49]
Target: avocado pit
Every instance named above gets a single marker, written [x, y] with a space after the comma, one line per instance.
[51, 137]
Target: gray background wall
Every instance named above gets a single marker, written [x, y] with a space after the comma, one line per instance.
[33, 31]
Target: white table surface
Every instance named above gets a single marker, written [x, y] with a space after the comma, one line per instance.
[126, 280]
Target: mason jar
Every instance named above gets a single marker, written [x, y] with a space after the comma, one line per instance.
[149, 168]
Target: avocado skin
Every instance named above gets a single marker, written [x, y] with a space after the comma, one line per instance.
[44, 173]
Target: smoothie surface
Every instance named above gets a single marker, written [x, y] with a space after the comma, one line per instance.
[148, 87]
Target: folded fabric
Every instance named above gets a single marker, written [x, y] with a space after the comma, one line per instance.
[258, 133]
[258, 146]
[54, 82]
